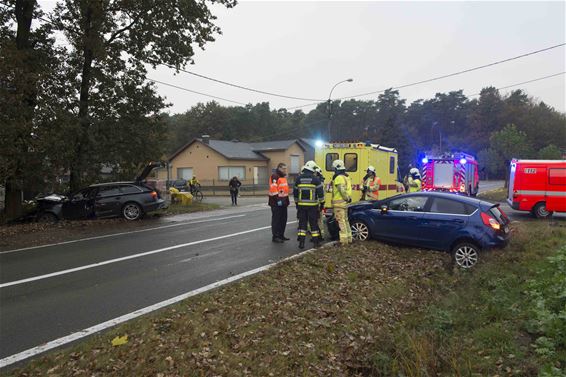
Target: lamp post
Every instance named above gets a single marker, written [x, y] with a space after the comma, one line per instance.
[439, 135]
[330, 106]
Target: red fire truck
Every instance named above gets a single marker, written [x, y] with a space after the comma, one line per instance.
[538, 186]
[450, 172]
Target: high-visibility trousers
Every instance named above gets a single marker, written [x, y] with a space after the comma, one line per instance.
[308, 215]
[345, 230]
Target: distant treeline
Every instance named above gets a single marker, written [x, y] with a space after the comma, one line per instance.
[493, 127]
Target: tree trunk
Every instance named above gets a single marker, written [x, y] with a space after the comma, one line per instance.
[24, 15]
[77, 168]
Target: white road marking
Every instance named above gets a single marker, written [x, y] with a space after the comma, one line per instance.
[119, 234]
[116, 260]
[126, 317]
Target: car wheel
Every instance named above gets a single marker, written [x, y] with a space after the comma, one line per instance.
[360, 231]
[132, 211]
[47, 218]
[466, 255]
[540, 211]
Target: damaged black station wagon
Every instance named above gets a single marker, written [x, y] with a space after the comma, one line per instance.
[130, 200]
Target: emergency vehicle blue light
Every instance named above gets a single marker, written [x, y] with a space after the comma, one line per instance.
[318, 143]
[462, 161]
[425, 160]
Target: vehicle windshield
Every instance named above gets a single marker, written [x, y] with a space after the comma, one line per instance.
[499, 215]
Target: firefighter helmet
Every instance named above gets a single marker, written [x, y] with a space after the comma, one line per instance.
[414, 171]
[371, 168]
[338, 165]
[310, 165]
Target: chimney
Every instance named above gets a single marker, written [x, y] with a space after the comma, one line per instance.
[206, 139]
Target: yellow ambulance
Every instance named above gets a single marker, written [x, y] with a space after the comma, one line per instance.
[357, 157]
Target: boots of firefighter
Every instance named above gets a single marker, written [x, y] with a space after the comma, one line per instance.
[301, 242]
[316, 241]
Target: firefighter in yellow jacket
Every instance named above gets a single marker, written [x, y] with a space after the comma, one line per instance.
[371, 184]
[341, 196]
[415, 184]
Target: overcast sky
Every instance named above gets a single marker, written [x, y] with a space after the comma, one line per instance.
[302, 48]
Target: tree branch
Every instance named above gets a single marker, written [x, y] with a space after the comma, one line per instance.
[117, 33]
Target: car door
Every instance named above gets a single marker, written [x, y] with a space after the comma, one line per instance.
[80, 205]
[108, 201]
[400, 222]
[443, 221]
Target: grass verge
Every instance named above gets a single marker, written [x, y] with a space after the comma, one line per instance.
[177, 209]
[368, 310]
[497, 195]
[508, 317]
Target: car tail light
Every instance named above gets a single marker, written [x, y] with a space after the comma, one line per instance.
[154, 195]
[490, 221]
[515, 194]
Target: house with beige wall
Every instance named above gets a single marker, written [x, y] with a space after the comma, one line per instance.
[215, 162]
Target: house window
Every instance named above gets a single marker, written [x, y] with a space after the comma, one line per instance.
[351, 161]
[184, 173]
[294, 165]
[225, 173]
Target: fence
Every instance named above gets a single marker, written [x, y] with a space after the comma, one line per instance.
[215, 187]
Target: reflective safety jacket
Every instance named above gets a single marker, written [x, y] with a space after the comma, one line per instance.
[371, 185]
[341, 191]
[278, 191]
[415, 184]
[308, 190]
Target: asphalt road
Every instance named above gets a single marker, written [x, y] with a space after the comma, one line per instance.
[181, 256]
[50, 292]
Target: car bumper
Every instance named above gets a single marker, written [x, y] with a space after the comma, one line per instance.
[154, 206]
[512, 204]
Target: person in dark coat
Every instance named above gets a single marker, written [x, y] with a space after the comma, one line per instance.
[234, 185]
[279, 201]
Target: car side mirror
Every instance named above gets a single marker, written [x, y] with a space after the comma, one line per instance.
[384, 209]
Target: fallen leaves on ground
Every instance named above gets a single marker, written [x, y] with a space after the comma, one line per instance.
[312, 316]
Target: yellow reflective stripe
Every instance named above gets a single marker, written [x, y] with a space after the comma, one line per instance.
[308, 204]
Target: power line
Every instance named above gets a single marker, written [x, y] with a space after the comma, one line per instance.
[464, 71]
[241, 86]
[439, 77]
[503, 87]
[524, 82]
[194, 91]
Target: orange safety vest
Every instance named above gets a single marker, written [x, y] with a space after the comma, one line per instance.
[373, 188]
[279, 188]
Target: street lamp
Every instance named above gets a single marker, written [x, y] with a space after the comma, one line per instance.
[330, 106]
[439, 135]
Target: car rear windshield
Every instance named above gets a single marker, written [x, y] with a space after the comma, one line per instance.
[499, 215]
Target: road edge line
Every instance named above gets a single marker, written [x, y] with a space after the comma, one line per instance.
[9, 360]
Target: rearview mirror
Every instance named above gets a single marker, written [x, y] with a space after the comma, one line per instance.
[384, 209]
